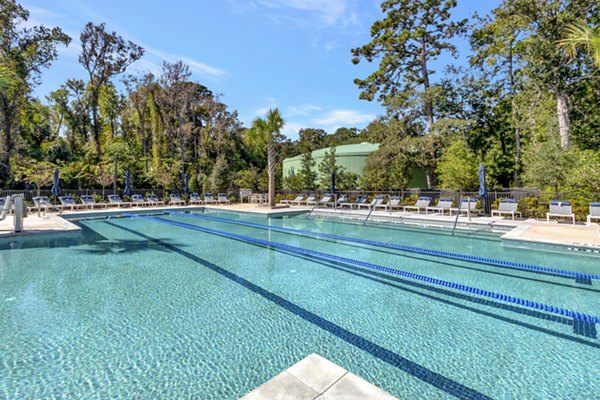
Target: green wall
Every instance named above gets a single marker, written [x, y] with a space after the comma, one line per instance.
[352, 157]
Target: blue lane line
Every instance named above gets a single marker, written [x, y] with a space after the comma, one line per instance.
[410, 249]
[587, 318]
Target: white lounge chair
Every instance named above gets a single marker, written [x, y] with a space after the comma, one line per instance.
[326, 199]
[467, 205]
[310, 199]
[222, 199]
[560, 209]
[195, 199]
[176, 200]
[421, 204]
[295, 201]
[342, 199]
[87, 200]
[507, 206]
[209, 199]
[394, 202]
[444, 204]
[359, 200]
[115, 200]
[68, 202]
[377, 200]
[42, 202]
[138, 200]
[154, 200]
[594, 213]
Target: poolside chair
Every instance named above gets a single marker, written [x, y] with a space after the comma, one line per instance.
[222, 198]
[421, 204]
[594, 213]
[560, 209]
[68, 202]
[154, 200]
[138, 200]
[507, 206]
[342, 199]
[467, 205]
[87, 200]
[115, 200]
[393, 203]
[377, 200]
[326, 199]
[176, 200]
[209, 199]
[195, 199]
[359, 200]
[296, 200]
[42, 202]
[443, 204]
[309, 200]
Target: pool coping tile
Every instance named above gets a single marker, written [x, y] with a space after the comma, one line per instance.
[317, 378]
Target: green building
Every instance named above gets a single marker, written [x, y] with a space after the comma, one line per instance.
[352, 157]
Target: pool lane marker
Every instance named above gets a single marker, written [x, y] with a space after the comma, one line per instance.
[583, 323]
[580, 277]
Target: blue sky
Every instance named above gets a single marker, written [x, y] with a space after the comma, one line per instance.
[259, 54]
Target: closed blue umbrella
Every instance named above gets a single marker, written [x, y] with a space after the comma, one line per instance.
[55, 184]
[127, 190]
[332, 182]
[482, 186]
[186, 180]
[483, 189]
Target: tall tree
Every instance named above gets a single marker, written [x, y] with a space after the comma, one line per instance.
[412, 34]
[546, 64]
[139, 89]
[24, 53]
[267, 132]
[104, 55]
[497, 44]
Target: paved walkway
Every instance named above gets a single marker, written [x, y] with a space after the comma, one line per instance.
[316, 378]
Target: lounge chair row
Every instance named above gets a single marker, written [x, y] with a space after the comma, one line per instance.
[422, 204]
[114, 200]
[558, 209]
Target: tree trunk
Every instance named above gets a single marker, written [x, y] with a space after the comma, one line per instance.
[564, 124]
[271, 159]
[428, 104]
[95, 127]
[516, 174]
[511, 76]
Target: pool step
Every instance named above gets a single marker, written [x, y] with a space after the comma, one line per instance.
[316, 377]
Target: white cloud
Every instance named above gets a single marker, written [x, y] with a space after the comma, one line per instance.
[327, 12]
[337, 118]
[301, 110]
[198, 67]
[290, 129]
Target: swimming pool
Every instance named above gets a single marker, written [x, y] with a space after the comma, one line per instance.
[144, 308]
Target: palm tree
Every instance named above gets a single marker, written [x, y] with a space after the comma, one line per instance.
[580, 35]
[265, 132]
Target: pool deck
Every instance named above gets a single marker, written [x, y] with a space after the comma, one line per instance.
[315, 377]
[520, 233]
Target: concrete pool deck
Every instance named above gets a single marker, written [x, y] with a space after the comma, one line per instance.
[520, 233]
[316, 378]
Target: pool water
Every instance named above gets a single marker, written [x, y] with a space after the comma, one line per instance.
[137, 308]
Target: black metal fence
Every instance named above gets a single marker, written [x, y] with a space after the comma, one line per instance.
[533, 203]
